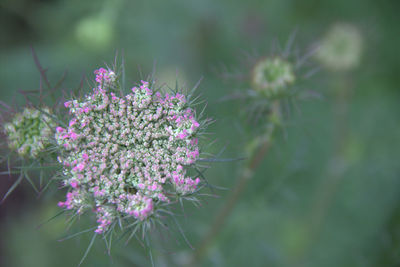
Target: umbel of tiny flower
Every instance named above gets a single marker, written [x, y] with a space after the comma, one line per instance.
[341, 48]
[125, 156]
[272, 76]
[29, 132]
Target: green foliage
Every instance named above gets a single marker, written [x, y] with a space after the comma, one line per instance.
[324, 196]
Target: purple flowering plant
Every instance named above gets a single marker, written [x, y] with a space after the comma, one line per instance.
[127, 157]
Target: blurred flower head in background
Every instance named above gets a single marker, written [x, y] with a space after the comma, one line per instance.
[341, 48]
[98, 31]
[95, 32]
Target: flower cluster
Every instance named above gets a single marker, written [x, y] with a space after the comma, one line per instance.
[29, 132]
[341, 48]
[272, 76]
[124, 155]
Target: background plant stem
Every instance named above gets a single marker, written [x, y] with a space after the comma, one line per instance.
[337, 165]
[256, 156]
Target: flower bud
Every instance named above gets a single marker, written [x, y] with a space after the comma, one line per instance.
[272, 76]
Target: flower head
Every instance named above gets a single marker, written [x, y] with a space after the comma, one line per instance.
[341, 48]
[272, 76]
[123, 156]
[29, 132]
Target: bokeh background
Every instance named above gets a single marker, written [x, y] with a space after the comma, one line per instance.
[322, 197]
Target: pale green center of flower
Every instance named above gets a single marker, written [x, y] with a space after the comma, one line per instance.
[272, 76]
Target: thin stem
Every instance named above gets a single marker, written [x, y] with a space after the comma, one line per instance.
[337, 165]
[256, 158]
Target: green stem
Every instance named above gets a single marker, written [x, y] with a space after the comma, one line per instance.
[256, 157]
[336, 166]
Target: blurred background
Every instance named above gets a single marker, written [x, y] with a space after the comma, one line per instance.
[328, 192]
